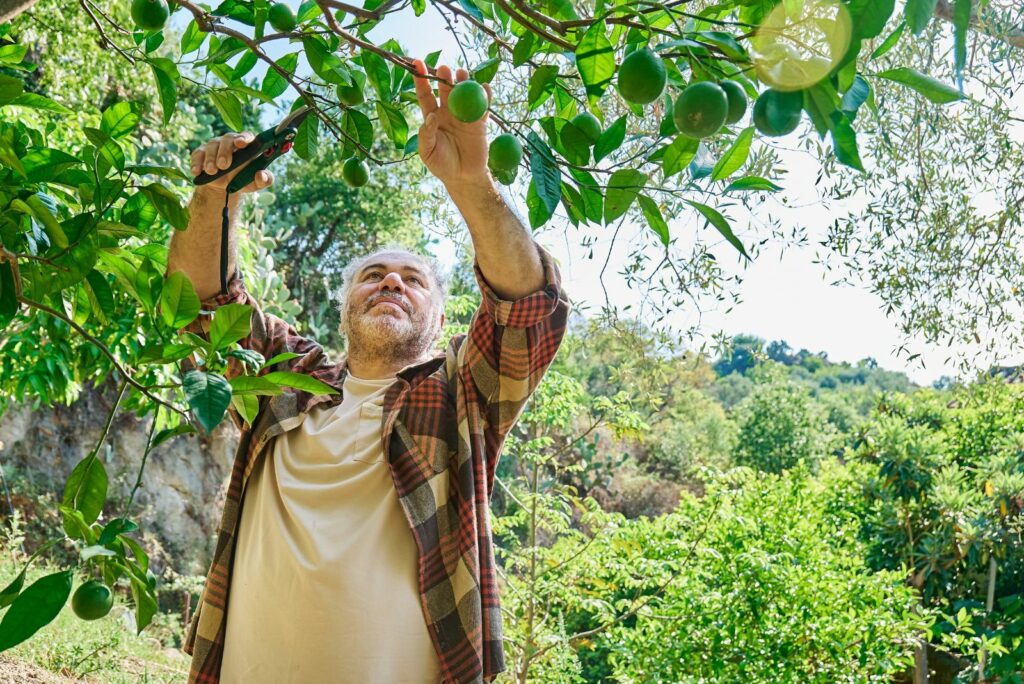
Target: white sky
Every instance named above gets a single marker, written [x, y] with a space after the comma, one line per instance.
[783, 295]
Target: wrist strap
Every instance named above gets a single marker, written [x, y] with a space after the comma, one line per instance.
[224, 246]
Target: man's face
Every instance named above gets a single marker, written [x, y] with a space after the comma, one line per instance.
[390, 310]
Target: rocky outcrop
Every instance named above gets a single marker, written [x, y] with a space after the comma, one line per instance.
[182, 491]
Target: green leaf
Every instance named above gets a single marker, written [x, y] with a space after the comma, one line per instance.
[169, 433]
[10, 88]
[274, 83]
[419, 7]
[623, 187]
[209, 395]
[306, 383]
[377, 73]
[95, 550]
[167, 205]
[35, 608]
[8, 294]
[678, 155]
[752, 183]
[120, 119]
[145, 604]
[735, 156]
[247, 406]
[486, 70]
[393, 121]
[249, 357]
[890, 42]
[870, 16]
[231, 323]
[541, 85]
[86, 489]
[41, 102]
[654, 218]
[230, 108]
[162, 171]
[179, 303]
[283, 356]
[307, 138]
[545, 172]
[538, 210]
[595, 60]
[918, 14]
[325, 63]
[12, 590]
[245, 385]
[961, 22]
[12, 54]
[844, 141]
[610, 139]
[931, 88]
[192, 39]
[115, 527]
[721, 225]
[166, 75]
[101, 294]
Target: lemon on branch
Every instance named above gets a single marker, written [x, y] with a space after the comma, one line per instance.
[355, 172]
[700, 110]
[737, 100]
[281, 18]
[467, 101]
[777, 113]
[589, 125]
[150, 15]
[641, 76]
[92, 600]
[504, 153]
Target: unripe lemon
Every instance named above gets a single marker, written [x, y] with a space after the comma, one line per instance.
[737, 100]
[467, 101]
[150, 15]
[504, 153]
[92, 600]
[355, 172]
[281, 18]
[641, 76]
[589, 124]
[700, 110]
[777, 113]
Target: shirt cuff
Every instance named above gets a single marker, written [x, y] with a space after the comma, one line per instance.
[529, 309]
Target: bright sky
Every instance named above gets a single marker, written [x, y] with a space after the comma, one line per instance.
[783, 295]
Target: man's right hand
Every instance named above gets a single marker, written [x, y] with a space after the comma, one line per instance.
[217, 154]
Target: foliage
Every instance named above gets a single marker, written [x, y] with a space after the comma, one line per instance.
[779, 425]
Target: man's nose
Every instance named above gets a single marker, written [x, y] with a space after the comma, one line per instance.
[392, 280]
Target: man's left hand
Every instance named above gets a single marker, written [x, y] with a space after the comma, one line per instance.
[455, 152]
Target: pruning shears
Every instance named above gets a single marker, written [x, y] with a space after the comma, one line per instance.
[265, 148]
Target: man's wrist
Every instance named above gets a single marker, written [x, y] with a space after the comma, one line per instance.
[210, 193]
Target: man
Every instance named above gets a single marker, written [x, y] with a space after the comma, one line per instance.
[354, 544]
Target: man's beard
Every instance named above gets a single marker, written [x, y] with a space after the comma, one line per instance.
[375, 336]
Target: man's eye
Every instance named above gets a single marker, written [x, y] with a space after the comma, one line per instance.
[416, 280]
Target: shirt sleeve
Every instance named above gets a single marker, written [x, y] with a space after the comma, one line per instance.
[509, 347]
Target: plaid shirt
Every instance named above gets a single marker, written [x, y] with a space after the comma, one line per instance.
[444, 424]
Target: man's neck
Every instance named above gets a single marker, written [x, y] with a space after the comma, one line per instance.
[380, 368]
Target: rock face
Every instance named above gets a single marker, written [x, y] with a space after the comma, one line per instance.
[182, 490]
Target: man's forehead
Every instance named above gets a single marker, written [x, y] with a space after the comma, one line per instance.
[395, 260]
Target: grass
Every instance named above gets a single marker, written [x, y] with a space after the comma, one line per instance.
[105, 650]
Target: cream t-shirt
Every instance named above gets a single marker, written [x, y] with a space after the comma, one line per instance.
[324, 585]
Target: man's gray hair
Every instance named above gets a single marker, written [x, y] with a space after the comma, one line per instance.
[437, 273]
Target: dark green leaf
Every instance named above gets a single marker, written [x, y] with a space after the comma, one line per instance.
[486, 71]
[35, 608]
[654, 218]
[677, 155]
[230, 108]
[10, 88]
[377, 74]
[307, 138]
[931, 88]
[844, 141]
[890, 42]
[721, 225]
[546, 175]
[168, 433]
[961, 22]
[115, 527]
[86, 488]
[541, 85]
[610, 139]
[208, 394]
[393, 121]
[735, 156]
[167, 205]
[12, 590]
[918, 14]
[623, 187]
[595, 59]
[274, 83]
[538, 210]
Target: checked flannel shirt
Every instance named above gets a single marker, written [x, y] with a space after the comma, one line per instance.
[443, 427]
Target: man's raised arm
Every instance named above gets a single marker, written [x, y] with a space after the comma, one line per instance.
[196, 251]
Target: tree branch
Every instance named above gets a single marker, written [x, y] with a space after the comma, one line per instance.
[987, 25]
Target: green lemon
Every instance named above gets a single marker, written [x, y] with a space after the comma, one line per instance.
[641, 76]
[467, 101]
[504, 153]
[589, 124]
[150, 15]
[737, 101]
[777, 113]
[700, 110]
[355, 172]
[281, 17]
[92, 600]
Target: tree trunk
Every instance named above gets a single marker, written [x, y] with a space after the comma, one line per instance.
[9, 9]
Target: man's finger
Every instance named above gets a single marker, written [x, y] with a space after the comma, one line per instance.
[445, 74]
[461, 75]
[424, 93]
[487, 89]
